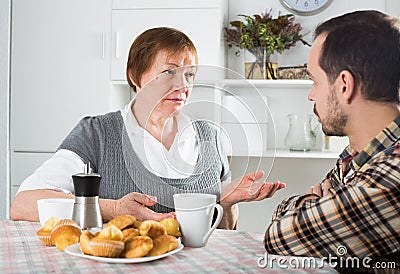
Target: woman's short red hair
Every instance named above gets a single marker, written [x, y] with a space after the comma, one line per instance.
[146, 46]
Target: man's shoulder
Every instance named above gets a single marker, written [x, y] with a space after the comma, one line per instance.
[393, 150]
[389, 156]
[383, 169]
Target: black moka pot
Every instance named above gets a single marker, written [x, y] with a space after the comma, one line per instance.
[86, 207]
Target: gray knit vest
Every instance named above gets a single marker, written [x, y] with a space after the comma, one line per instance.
[103, 142]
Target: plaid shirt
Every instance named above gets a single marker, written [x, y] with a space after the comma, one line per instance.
[361, 211]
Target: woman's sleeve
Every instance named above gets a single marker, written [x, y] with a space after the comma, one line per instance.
[55, 173]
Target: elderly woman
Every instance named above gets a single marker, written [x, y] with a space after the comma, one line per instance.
[129, 148]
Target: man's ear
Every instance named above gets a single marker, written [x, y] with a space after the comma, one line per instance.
[347, 85]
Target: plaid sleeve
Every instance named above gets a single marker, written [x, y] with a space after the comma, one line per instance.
[285, 205]
[293, 201]
[362, 215]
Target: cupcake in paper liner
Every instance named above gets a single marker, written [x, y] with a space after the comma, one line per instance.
[105, 248]
[44, 232]
[44, 237]
[65, 233]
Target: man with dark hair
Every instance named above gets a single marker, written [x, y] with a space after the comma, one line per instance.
[355, 211]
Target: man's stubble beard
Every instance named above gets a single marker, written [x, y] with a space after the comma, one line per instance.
[335, 122]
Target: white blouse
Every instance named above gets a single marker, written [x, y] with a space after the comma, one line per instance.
[177, 162]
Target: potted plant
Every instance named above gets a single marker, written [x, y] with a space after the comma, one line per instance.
[262, 35]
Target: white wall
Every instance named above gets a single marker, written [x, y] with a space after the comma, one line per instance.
[392, 7]
[4, 87]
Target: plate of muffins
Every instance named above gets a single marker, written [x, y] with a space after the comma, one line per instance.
[75, 250]
[121, 240]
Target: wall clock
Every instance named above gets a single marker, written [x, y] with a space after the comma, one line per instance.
[306, 7]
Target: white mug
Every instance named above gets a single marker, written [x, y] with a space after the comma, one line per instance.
[194, 212]
[55, 207]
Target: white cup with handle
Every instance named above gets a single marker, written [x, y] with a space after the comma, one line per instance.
[194, 212]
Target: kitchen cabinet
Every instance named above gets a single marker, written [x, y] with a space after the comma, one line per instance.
[59, 69]
[24, 164]
[202, 21]
[60, 72]
[244, 121]
[68, 61]
[265, 104]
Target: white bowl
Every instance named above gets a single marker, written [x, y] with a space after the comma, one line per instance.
[55, 207]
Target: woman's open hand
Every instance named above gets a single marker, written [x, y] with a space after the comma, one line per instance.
[247, 189]
[136, 204]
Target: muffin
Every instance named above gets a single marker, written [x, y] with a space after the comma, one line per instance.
[65, 233]
[84, 240]
[44, 232]
[122, 221]
[137, 247]
[151, 228]
[106, 248]
[110, 232]
[163, 244]
[171, 227]
[130, 233]
[106, 243]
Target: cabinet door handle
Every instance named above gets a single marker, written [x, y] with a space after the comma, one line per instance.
[116, 44]
[103, 42]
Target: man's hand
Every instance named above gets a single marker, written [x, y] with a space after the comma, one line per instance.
[136, 204]
[247, 189]
[320, 191]
[316, 191]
